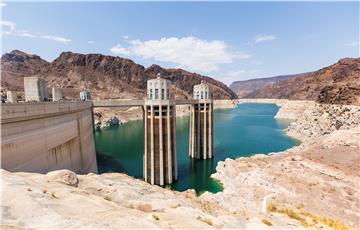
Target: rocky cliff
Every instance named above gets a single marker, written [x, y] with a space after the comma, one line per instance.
[105, 76]
[336, 84]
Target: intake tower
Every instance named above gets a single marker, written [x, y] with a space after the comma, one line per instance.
[201, 123]
[160, 165]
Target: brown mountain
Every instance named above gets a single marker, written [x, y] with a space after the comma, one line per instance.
[17, 64]
[337, 84]
[105, 76]
[243, 88]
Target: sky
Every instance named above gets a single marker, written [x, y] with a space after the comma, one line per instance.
[228, 41]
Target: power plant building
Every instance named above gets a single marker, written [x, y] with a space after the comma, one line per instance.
[35, 89]
[11, 97]
[201, 123]
[160, 163]
[56, 94]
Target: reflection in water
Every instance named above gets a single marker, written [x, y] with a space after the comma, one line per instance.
[243, 131]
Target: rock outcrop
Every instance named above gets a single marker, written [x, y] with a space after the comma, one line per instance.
[322, 119]
[106, 201]
[105, 76]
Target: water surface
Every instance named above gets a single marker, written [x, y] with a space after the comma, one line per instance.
[243, 131]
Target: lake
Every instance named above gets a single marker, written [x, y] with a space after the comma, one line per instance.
[240, 132]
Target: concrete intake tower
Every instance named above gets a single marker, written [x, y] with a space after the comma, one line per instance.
[160, 164]
[201, 123]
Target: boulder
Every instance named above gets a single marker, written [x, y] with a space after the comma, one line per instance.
[63, 176]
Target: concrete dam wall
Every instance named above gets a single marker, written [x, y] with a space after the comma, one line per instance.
[46, 136]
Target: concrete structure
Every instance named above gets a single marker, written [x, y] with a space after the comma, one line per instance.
[85, 96]
[201, 123]
[42, 137]
[117, 103]
[131, 103]
[11, 97]
[56, 94]
[35, 89]
[160, 163]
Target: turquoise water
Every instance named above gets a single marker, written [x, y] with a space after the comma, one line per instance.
[243, 131]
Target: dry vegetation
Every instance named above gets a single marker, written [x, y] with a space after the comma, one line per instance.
[308, 219]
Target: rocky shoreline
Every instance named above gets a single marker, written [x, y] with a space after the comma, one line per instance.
[312, 185]
[315, 183]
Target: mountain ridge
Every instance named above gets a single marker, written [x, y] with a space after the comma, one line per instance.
[243, 88]
[105, 76]
[338, 83]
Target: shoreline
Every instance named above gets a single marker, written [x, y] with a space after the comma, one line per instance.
[319, 138]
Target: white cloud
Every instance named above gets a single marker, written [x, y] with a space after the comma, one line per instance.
[24, 34]
[264, 37]
[91, 42]
[187, 52]
[56, 38]
[239, 75]
[353, 44]
[10, 25]
[11, 30]
[118, 49]
[2, 4]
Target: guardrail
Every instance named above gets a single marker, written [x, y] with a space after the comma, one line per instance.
[132, 103]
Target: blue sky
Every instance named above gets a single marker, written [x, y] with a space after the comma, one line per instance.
[228, 41]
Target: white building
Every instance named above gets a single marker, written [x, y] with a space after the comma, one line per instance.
[158, 89]
[35, 89]
[11, 97]
[56, 94]
[202, 91]
[85, 96]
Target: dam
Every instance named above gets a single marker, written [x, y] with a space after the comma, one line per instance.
[47, 136]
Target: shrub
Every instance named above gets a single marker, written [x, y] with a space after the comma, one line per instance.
[205, 220]
[265, 221]
[53, 195]
[107, 197]
[155, 217]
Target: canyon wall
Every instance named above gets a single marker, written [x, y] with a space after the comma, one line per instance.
[47, 136]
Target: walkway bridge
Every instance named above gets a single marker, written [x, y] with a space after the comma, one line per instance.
[134, 103]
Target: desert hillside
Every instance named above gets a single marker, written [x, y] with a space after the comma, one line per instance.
[105, 76]
[243, 88]
[336, 84]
